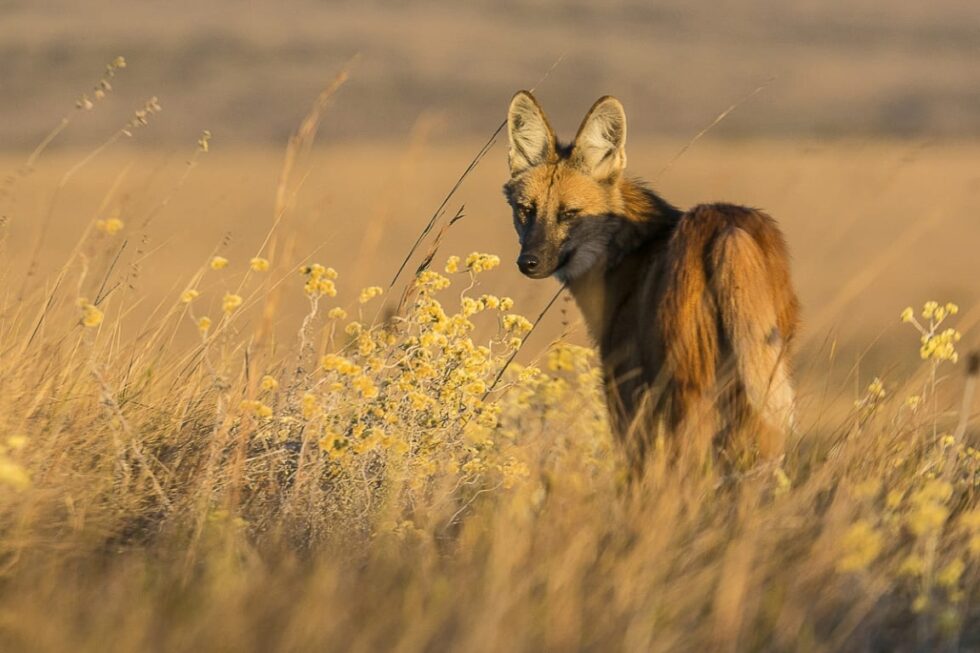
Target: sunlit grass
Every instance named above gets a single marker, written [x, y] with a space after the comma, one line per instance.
[391, 477]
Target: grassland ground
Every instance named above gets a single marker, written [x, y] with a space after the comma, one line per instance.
[214, 435]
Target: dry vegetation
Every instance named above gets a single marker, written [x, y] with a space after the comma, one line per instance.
[216, 443]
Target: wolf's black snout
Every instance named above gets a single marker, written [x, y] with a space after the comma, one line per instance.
[528, 263]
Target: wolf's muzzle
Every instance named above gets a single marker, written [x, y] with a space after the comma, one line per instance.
[528, 263]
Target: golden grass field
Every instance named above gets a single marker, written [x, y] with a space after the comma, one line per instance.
[228, 454]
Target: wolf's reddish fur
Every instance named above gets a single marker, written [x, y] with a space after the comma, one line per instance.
[693, 311]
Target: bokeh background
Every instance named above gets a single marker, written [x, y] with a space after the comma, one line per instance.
[249, 69]
[863, 141]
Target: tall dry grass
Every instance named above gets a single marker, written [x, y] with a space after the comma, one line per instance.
[366, 483]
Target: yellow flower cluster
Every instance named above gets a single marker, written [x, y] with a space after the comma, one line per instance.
[257, 408]
[333, 362]
[429, 281]
[873, 396]
[319, 281]
[936, 345]
[369, 293]
[269, 383]
[478, 262]
[230, 302]
[940, 346]
[929, 508]
[421, 397]
[517, 324]
[861, 544]
[333, 444]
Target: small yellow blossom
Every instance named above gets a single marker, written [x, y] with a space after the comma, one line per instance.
[478, 262]
[91, 315]
[219, 263]
[110, 226]
[452, 265]
[365, 344]
[369, 293]
[353, 329]
[949, 576]
[431, 280]
[230, 302]
[876, 389]
[333, 444]
[908, 315]
[920, 603]
[469, 306]
[912, 565]
[332, 362]
[259, 264]
[336, 313]
[310, 406]
[204, 324]
[491, 302]
[365, 386]
[560, 358]
[861, 544]
[12, 474]
[940, 346]
[319, 280]
[517, 323]
[189, 295]
[929, 510]
[268, 383]
[256, 408]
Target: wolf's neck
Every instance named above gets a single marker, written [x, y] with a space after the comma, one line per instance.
[646, 218]
[646, 210]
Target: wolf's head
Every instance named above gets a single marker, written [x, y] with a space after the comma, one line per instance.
[565, 198]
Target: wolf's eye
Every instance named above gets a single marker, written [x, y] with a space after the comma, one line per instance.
[524, 212]
[567, 214]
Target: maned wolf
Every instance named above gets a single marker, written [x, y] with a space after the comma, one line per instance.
[693, 311]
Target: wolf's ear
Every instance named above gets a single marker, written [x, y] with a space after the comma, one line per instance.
[532, 141]
[600, 145]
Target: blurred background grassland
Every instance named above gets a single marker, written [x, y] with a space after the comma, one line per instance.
[866, 129]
